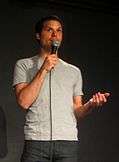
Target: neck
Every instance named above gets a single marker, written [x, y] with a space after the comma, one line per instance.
[43, 53]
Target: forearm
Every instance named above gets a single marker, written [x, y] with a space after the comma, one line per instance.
[83, 110]
[29, 93]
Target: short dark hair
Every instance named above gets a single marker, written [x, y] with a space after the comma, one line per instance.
[40, 23]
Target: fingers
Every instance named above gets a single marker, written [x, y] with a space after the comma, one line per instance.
[50, 62]
[99, 99]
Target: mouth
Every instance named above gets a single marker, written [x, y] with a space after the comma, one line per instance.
[55, 40]
[52, 40]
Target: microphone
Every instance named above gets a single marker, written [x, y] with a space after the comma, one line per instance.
[54, 46]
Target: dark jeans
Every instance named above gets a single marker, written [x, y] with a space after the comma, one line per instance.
[44, 151]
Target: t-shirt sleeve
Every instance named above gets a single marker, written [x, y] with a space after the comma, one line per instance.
[78, 85]
[20, 73]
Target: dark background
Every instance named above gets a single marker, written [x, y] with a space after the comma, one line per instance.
[90, 42]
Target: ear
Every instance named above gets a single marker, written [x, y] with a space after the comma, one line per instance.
[37, 36]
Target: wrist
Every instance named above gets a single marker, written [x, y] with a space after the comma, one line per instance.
[43, 69]
[88, 105]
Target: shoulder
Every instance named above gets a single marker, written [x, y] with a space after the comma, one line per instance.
[27, 62]
[70, 67]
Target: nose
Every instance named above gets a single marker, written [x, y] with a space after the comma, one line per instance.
[54, 34]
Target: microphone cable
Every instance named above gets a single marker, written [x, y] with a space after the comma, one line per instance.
[55, 46]
[50, 106]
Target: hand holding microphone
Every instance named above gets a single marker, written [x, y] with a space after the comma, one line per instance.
[52, 59]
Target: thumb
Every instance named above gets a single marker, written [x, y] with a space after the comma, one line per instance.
[107, 94]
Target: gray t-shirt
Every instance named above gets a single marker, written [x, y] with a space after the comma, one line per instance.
[66, 82]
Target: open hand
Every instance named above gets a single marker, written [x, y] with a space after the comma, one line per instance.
[99, 99]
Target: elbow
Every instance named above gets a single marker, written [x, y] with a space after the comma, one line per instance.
[79, 113]
[23, 104]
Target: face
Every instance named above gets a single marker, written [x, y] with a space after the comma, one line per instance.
[51, 31]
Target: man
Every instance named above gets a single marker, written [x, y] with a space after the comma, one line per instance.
[50, 90]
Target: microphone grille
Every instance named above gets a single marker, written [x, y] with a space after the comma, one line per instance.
[55, 43]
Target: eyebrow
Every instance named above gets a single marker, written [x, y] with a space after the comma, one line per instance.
[51, 27]
[48, 25]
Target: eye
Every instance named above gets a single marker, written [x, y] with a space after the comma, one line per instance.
[59, 30]
[49, 30]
